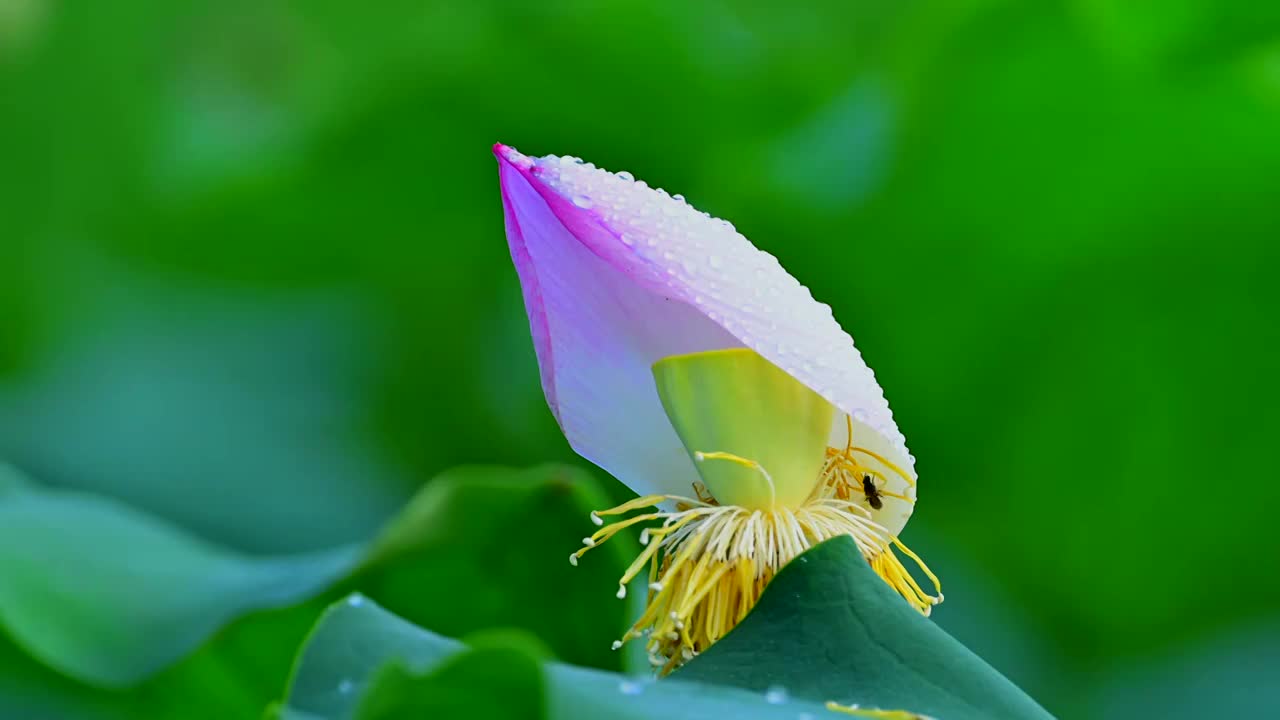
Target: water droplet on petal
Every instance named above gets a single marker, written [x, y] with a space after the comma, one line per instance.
[355, 600]
[775, 695]
[623, 174]
[582, 201]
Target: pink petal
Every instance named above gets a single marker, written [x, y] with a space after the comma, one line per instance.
[597, 334]
[617, 275]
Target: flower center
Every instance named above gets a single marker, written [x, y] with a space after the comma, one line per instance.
[771, 488]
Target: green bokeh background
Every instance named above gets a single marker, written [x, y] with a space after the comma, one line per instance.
[253, 276]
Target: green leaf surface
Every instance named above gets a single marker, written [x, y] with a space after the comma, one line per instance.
[828, 628]
[231, 676]
[113, 597]
[10, 479]
[499, 682]
[360, 651]
[110, 595]
[484, 547]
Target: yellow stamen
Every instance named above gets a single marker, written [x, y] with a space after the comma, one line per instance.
[752, 464]
[843, 470]
[874, 713]
[708, 564]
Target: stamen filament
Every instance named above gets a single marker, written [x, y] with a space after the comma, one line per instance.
[730, 457]
[709, 563]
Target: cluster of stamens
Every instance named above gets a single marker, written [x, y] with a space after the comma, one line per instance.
[708, 563]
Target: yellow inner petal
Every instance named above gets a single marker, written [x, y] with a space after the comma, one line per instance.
[757, 435]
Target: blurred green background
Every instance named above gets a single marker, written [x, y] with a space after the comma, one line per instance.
[254, 283]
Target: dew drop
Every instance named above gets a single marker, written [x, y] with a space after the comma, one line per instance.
[627, 240]
[623, 174]
[629, 687]
[582, 201]
[804, 716]
[346, 686]
[678, 196]
[775, 695]
[355, 600]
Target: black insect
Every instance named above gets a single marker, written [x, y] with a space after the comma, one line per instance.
[872, 492]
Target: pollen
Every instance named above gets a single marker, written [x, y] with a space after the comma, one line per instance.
[707, 564]
[874, 713]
